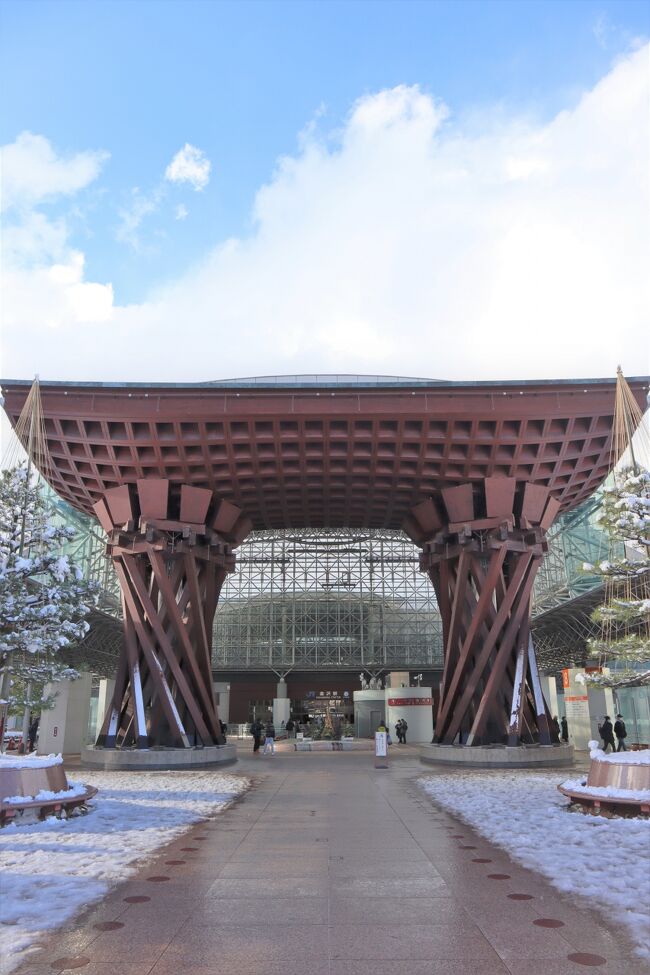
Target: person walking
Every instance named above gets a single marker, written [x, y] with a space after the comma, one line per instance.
[269, 741]
[555, 725]
[404, 730]
[398, 731]
[565, 730]
[256, 732]
[606, 732]
[621, 733]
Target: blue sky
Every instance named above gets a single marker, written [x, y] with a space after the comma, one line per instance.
[248, 84]
[241, 80]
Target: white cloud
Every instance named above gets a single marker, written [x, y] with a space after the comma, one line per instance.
[410, 244]
[32, 171]
[132, 216]
[189, 165]
[181, 212]
[43, 277]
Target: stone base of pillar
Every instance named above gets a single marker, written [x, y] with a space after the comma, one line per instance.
[158, 759]
[499, 756]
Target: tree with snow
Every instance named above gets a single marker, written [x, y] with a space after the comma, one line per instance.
[624, 617]
[44, 599]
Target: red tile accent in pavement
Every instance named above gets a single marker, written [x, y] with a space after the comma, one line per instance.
[481, 860]
[108, 925]
[548, 922]
[63, 963]
[174, 863]
[584, 958]
[136, 899]
[157, 879]
[189, 849]
[498, 876]
[521, 897]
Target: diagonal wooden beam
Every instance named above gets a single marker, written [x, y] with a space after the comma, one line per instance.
[132, 568]
[189, 655]
[489, 645]
[149, 650]
[479, 615]
[510, 635]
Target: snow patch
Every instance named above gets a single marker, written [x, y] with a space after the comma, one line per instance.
[642, 757]
[29, 761]
[603, 860]
[605, 791]
[52, 869]
[46, 795]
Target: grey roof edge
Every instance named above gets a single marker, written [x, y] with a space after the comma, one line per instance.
[323, 381]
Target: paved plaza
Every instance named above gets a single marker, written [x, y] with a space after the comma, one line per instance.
[332, 867]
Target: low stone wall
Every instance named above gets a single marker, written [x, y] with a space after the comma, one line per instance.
[499, 756]
[157, 759]
[333, 746]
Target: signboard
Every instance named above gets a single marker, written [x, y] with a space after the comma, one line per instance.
[381, 744]
[408, 702]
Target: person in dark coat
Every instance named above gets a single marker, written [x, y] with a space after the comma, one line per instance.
[256, 732]
[565, 730]
[555, 725]
[269, 740]
[606, 732]
[621, 733]
[33, 732]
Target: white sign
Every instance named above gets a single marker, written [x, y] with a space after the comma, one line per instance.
[381, 744]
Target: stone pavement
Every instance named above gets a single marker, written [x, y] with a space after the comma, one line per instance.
[329, 866]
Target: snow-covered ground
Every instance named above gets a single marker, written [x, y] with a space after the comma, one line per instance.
[524, 814]
[50, 870]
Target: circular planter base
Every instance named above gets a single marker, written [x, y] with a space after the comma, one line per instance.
[499, 756]
[158, 759]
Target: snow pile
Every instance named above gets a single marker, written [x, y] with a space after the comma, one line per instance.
[51, 870]
[30, 761]
[604, 860]
[641, 757]
[46, 795]
[605, 791]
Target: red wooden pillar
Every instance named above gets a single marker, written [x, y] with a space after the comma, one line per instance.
[172, 546]
[482, 544]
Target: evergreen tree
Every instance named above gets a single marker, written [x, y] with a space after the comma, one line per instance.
[624, 617]
[44, 599]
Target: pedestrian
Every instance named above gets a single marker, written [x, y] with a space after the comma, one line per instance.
[269, 741]
[224, 727]
[555, 725]
[33, 731]
[398, 731]
[621, 733]
[404, 730]
[565, 730]
[256, 732]
[290, 727]
[606, 732]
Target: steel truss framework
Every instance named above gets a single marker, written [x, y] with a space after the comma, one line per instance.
[255, 598]
[327, 599]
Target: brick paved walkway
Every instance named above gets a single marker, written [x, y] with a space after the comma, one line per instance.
[330, 867]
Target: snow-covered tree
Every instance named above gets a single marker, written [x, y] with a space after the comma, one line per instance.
[624, 617]
[44, 599]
